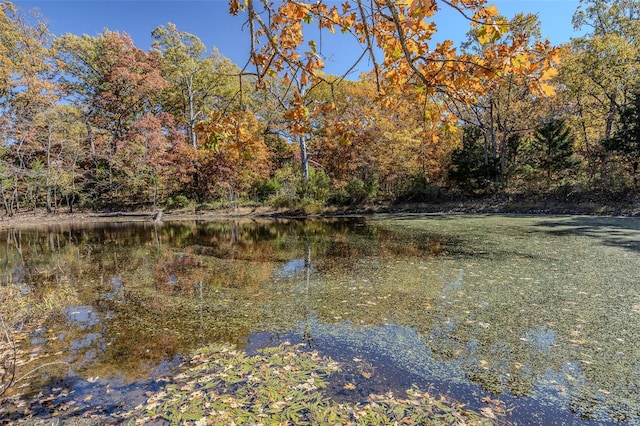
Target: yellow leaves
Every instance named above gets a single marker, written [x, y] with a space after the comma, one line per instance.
[349, 386]
[548, 74]
[492, 10]
[492, 27]
[403, 31]
[421, 9]
[297, 116]
[547, 89]
[7, 6]
[347, 21]
[492, 32]
[520, 60]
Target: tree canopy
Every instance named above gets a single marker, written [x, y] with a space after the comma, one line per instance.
[93, 121]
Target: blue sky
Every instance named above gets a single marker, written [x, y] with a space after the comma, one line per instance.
[211, 22]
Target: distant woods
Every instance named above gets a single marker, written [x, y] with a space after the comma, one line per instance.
[93, 122]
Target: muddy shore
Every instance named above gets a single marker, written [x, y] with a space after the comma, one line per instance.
[543, 207]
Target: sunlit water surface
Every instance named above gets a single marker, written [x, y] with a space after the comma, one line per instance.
[542, 313]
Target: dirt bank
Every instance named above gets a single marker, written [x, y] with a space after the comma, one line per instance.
[541, 207]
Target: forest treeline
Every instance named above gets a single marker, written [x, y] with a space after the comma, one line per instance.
[93, 122]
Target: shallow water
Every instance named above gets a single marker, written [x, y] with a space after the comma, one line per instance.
[540, 312]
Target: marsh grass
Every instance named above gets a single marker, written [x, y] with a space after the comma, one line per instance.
[20, 313]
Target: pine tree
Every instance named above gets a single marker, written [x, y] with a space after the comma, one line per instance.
[554, 148]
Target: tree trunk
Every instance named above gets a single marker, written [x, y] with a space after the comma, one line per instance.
[7, 206]
[494, 143]
[48, 177]
[304, 158]
[90, 136]
[486, 149]
[192, 114]
[611, 115]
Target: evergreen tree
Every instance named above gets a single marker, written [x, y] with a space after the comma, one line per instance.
[469, 165]
[553, 143]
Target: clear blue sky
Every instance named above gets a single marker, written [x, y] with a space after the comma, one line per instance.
[211, 22]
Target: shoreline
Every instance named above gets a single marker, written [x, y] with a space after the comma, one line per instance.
[542, 208]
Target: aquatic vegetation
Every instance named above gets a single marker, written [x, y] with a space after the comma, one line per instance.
[527, 310]
[283, 385]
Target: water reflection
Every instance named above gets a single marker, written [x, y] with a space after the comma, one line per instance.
[518, 308]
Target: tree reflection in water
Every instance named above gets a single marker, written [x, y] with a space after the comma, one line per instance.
[501, 306]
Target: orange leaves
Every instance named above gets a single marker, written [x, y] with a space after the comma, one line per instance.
[297, 113]
[293, 11]
[235, 154]
[235, 6]
[421, 8]
[402, 32]
[230, 129]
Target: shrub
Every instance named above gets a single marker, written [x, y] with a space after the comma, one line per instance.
[317, 187]
[355, 192]
[178, 202]
[268, 189]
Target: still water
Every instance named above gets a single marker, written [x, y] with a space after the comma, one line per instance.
[542, 313]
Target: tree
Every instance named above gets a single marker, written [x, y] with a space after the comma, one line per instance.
[199, 84]
[393, 143]
[27, 89]
[553, 148]
[147, 160]
[116, 85]
[626, 141]
[113, 81]
[468, 168]
[600, 73]
[54, 153]
[234, 157]
[396, 38]
[401, 31]
[24, 55]
[508, 108]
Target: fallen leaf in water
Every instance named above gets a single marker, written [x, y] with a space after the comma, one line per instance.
[349, 386]
[366, 374]
[488, 412]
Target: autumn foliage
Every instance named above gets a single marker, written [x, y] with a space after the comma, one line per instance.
[95, 122]
[233, 157]
[396, 36]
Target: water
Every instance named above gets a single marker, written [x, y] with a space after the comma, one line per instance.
[542, 313]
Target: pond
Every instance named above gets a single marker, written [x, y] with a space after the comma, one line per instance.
[542, 313]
